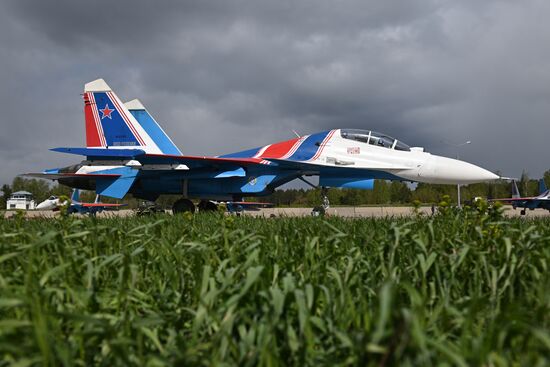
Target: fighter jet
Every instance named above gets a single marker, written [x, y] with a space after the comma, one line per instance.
[51, 203]
[76, 206]
[128, 152]
[542, 201]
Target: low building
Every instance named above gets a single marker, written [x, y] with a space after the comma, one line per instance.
[21, 200]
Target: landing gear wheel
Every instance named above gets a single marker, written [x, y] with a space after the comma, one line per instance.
[207, 206]
[318, 211]
[522, 212]
[326, 202]
[182, 206]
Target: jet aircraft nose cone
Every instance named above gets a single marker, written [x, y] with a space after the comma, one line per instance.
[45, 205]
[453, 171]
[41, 206]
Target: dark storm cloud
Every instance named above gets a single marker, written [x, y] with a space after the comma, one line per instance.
[227, 75]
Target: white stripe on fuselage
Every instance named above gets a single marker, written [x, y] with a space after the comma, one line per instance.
[261, 151]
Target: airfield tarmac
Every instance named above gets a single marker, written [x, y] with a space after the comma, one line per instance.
[349, 212]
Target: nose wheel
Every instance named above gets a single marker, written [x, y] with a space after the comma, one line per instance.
[321, 210]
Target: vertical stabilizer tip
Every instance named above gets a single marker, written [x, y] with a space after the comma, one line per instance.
[134, 104]
[97, 85]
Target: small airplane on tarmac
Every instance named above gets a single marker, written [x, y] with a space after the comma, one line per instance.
[76, 206]
[542, 201]
[128, 152]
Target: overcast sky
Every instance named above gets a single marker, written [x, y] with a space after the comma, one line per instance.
[222, 76]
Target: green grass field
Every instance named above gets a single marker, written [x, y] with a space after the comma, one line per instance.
[457, 289]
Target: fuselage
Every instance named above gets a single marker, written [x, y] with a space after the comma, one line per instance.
[340, 157]
[127, 151]
[541, 201]
[371, 154]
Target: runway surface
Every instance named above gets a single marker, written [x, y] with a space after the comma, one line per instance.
[351, 212]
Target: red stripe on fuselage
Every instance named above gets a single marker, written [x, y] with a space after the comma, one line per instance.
[278, 150]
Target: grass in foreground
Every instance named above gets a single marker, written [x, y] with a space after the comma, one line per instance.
[458, 289]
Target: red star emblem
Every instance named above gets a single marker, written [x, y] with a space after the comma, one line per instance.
[106, 112]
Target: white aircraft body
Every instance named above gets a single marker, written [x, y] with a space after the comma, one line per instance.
[128, 152]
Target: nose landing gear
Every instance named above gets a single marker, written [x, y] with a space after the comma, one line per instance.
[321, 210]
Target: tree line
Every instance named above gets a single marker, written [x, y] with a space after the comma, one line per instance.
[383, 193]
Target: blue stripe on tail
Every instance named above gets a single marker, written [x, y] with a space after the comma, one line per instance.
[156, 133]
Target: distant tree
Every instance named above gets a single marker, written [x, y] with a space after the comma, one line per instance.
[523, 183]
[6, 193]
[60, 190]
[352, 197]
[380, 193]
[399, 193]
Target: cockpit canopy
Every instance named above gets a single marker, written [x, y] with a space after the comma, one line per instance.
[374, 138]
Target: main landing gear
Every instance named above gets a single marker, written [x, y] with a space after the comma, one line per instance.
[186, 205]
[183, 206]
[207, 206]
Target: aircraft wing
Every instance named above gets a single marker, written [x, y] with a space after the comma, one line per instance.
[144, 158]
[57, 176]
[197, 161]
[188, 162]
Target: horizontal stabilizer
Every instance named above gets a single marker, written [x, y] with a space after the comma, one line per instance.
[104, 153]
[102, 205]
[57, 176]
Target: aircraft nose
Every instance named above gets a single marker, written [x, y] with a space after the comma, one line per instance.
[453, 171]
[42, 206]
